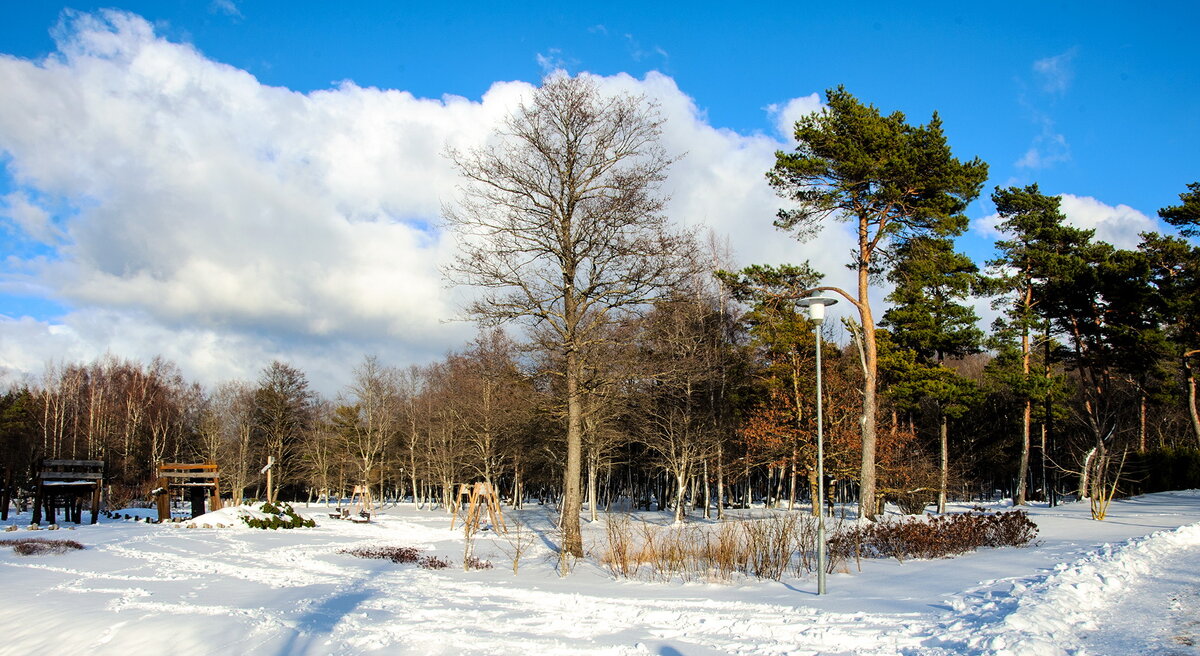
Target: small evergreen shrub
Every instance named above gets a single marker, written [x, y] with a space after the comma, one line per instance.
[282, 515]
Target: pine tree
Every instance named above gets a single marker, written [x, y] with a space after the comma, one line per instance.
[892, 181]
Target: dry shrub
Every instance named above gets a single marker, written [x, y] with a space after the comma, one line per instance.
[766, 549]
[434, 562]
[934, 537]
[394, 554]
[406, 555]
[41, 546]
[475, 563]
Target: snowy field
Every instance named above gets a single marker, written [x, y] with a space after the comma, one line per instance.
[1128, 585]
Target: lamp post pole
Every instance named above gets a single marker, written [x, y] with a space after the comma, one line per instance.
[816, 312]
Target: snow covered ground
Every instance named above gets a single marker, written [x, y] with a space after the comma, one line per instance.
[1128, 585]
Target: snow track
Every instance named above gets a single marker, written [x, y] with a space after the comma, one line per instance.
[1077, 609]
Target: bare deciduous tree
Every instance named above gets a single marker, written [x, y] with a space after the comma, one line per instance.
[561, 224]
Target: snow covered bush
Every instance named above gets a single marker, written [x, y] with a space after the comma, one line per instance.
[280, 515]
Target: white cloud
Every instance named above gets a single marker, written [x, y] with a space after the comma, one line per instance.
[227, 7]
[1120, 225]
[222, 223]
[32, 220]
[1048, 148]
[788, 113]
[1056, 73]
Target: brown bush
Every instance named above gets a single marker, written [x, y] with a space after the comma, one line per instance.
[394, 554]
[934, 537]
[40, 546]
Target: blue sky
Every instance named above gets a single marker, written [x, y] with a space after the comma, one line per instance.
[1094, 100]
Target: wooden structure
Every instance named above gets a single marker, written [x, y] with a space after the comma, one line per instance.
[197, 480]
[69, 481]
[478, 496]
[361, 507]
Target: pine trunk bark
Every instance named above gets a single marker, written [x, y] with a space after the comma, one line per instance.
[1191, 381]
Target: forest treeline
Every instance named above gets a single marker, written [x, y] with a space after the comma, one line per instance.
[655, 374]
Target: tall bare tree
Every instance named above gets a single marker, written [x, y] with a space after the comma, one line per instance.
[560, 221]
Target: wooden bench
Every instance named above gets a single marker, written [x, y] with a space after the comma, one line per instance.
[63, 479]
[198, 479]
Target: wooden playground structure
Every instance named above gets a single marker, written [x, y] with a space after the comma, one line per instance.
[478, 496]
[198, 480]
[360, 507]
[70, 481]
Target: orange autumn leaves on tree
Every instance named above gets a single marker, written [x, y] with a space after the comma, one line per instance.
[770, 432]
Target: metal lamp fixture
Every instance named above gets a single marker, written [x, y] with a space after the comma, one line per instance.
[816, 312]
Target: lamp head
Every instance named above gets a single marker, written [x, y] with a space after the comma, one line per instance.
[816, 306]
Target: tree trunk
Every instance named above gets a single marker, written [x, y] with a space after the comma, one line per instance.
[792, 481]
[1191, 382]
[592, 500]
[707, 493]
[680, 495]
[1023, 465]
[572, 536]
[867, 502]
[1142, 421]
[720, 483]
[1027, 413]
[814, 492]
[944, 475]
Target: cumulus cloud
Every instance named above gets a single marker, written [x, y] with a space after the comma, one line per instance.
[197, 213]
[786, 114]
[1119, 225]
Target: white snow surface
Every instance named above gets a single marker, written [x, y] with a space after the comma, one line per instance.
[1127, 585]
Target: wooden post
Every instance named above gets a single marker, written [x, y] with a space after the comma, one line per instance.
[163, 499]
[270, 488]
[96, 500]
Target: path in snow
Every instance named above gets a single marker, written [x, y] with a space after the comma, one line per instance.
[1158, 615]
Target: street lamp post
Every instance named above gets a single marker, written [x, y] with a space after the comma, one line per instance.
[816, 313]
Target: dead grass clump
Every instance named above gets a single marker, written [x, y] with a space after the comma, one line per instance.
[41, 546]
[764, 548]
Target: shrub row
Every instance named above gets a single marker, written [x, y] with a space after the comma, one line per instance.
[934, 536]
